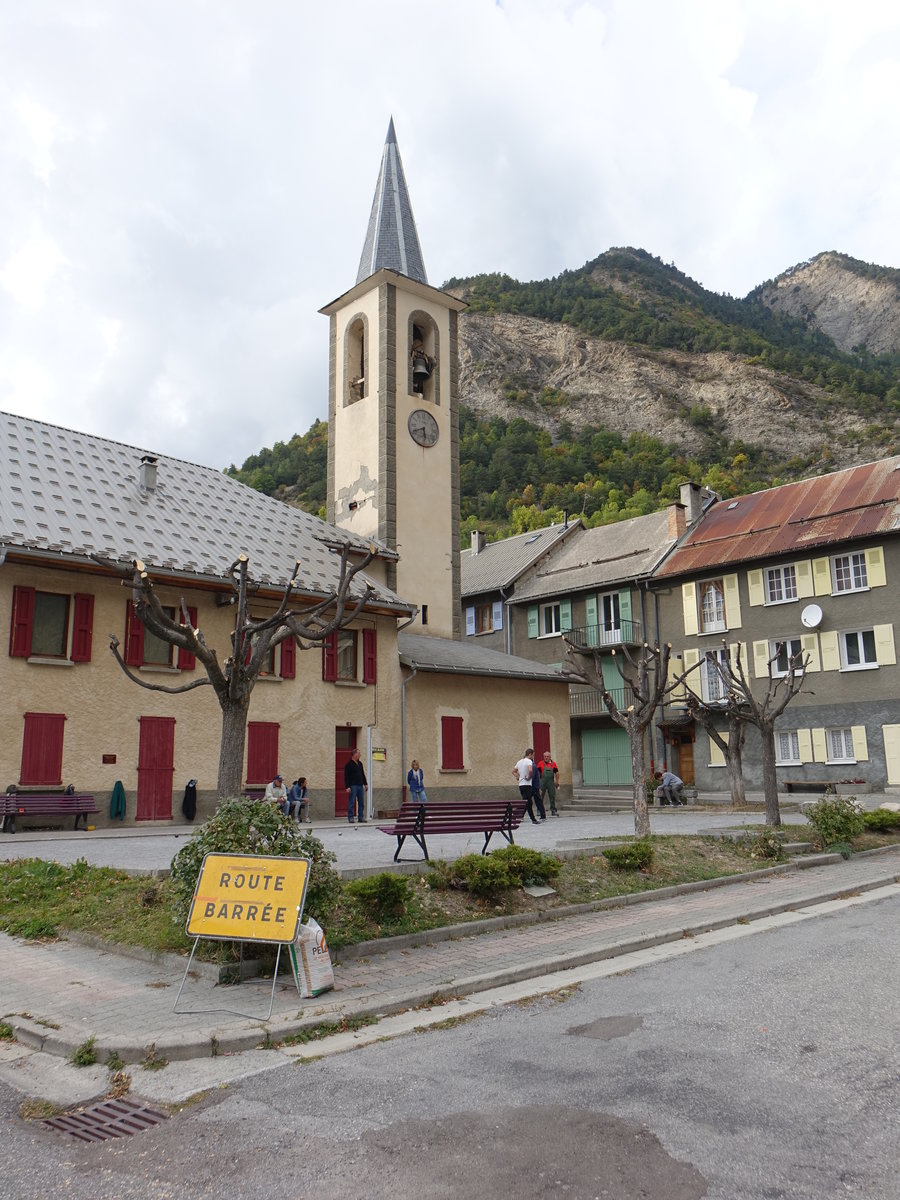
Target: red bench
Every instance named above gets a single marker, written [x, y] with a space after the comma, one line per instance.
[419, 821]
[45, 804]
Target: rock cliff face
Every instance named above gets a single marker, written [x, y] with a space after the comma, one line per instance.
[507, 361]
[853, 303]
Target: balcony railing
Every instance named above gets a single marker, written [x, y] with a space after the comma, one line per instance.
[588, 702]
[626, 633]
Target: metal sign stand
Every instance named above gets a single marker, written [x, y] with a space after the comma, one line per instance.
[231, 1011]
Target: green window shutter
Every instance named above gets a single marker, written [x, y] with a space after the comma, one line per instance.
[591, 620]
[625, 605]
[565, 615]
[533, 621]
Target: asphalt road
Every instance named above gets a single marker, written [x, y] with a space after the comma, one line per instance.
[759, 1069]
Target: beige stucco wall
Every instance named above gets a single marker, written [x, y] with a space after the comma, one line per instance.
[498, 715]
[356, 427]
[102, 706]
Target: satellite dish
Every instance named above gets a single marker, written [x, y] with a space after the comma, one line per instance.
[811, 616]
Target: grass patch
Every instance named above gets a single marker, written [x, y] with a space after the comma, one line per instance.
[7, 1033]
[85, 1055]
[315, 1033]
[33, 1109]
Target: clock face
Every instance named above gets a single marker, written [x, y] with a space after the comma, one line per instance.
[423, 428]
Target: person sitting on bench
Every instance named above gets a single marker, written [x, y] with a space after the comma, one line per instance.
[670, 790]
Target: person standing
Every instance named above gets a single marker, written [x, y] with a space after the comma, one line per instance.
[277, 793]
[523, 771]
[416, 783]
[536, 796]
[549, 781]
[356, 783]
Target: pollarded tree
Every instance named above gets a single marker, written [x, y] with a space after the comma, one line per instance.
[705, 713]
[762, 711]
[647, 684]
[304, 620]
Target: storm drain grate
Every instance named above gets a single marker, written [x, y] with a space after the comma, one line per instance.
[107, 1120]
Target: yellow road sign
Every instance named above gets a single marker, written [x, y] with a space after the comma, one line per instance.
[249, 898]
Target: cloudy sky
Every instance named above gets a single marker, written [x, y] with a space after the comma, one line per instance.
[184, 183]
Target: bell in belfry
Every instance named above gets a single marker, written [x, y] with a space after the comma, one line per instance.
[421, 368]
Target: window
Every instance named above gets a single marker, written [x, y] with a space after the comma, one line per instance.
[781, 584]
[51, 625]
[484, 618]
[340, 656]
[783, 653]
[42, 749]
[840, 745]
[848, 572]
[712, 685]
[712, 606]
[551, 621]
[483, 613]
[858, 650]
[143, 648]
[787, 746]
[452, 744]
[610, 619]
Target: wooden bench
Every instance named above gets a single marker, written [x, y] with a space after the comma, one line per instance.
[45, 804]
[419, 821]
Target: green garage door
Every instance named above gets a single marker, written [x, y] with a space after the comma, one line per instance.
[606, 757]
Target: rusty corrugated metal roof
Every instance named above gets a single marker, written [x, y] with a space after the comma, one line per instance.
[858, 503]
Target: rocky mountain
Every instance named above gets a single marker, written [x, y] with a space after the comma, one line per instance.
[631, 344]
[854, 303]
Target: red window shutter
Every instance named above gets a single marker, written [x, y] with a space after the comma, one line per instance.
[452, 743]
[82, 628]
[329, 658]
[540, 738]
[42, 749]
[186, 660]
[22, 622]
[370, 656]
[134, 637]
[262, 751]
[288, 658]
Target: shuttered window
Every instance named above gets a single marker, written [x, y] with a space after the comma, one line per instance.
[370, 656]
[452, 744]
[262, 751]
[42, 749]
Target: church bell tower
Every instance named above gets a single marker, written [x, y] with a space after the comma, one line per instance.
[393, 409]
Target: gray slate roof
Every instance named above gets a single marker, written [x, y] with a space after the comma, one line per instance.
[601, 557]
[464, 658]
[70, 495]
[391, 239]
[499, 564]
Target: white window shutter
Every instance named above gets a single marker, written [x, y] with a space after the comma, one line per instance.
[689, 604]
[820, 752]
[831, 655]
[885, 651]
[497, 615]
[755, 587]
[875, 567]
[804, 745]
[860, 744]
[810, 649]
[470, 620]
[803, 574]
[732, 602]
[761, 660]
[822, 576]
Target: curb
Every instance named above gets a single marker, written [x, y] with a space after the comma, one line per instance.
[180, 1047]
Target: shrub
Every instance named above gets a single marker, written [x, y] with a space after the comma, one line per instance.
[766, 844]
[385, 895]
[482, 874]
[836, 819]
[844, 849]
[527, 866]
[255, 827]
[488, 874]
[635, 856]
[882, 820]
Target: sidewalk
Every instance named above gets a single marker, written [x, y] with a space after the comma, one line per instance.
[57, 995]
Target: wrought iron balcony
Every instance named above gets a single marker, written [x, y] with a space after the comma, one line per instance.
[625, 633]
[587, 702]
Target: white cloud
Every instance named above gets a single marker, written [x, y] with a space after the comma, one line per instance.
[184, 187]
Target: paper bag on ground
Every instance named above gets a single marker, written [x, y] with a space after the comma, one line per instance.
[315, 973]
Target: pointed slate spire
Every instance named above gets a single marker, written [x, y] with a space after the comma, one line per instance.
[391, 239]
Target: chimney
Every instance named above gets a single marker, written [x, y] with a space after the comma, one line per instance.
[147, 473]
[693, 502]
[676, 518]
[478, 541]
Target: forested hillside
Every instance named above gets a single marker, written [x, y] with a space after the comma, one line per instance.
[606, 388]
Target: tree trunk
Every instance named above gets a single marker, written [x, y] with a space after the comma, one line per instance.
[641, 815]
[770, 779]
[735, 772]
[231, 752]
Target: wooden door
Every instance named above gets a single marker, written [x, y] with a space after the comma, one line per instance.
[156, 769]
[344, 744]
[683, 758]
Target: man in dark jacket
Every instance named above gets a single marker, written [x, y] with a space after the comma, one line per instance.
[355, 782]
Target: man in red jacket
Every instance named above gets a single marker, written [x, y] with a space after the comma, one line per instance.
[549, 781]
